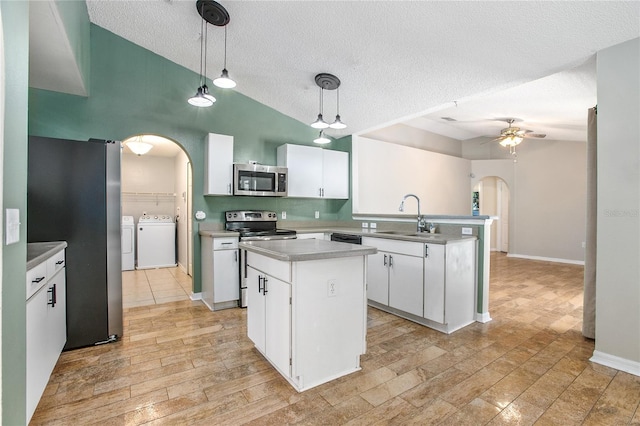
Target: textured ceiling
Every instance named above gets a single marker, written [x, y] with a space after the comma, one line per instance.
[397, 60]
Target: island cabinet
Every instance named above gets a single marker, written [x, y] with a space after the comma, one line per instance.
[315, 172]
[306, 312]
[220, 279]
[396, 274]
[218, 155]
[433, 284]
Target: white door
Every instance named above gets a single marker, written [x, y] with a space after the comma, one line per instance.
[226, 285]
[335, 170]
[256, 305]
[378, 278]
[278, 323]
[405, 283]
[304, 165]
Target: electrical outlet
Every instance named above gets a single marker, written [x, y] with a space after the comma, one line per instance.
[467, 231]
[317, 214]
[332, 288]
[365, 224]
[373, 225]
[284, 215]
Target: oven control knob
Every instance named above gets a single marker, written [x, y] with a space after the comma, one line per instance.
[235, 215]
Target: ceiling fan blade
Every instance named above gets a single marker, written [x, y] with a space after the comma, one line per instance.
[535, 135]
[492, 140]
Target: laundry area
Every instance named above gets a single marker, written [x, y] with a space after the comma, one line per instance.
[155, 255]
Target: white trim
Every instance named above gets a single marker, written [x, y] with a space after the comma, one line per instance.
[195, 296]
[483, 317]
[622, 364]
[548, 259]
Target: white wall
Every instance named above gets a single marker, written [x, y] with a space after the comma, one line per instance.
[401, 134]
[547, 187]
[382, 173]
[147, 174]
[181, 166]
[489, 205]
[618, 234]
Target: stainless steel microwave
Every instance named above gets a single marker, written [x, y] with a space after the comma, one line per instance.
[259, 180]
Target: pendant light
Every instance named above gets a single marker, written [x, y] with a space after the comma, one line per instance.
[322, 139]
[328, 82]
[224, 81]
[320, 123]
[213, 13]
[338, 124]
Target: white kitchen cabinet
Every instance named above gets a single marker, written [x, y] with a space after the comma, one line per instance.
[434, 268]
[46, 327]
[315, 172]
[220, 273]
[269, 324]
[395, 274]
[316, 235]
[218, 172]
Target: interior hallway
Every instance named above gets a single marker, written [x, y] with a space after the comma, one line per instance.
[144, 287]
[179, 363]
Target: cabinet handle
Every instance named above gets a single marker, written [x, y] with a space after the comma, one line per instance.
[225, 244]
[236, 255]
[260, 288]
[228, 188]
[320, 192]
[384, 262]
[37, 280]
[265, 280]
[426, 250]
[52, 292]
[59, 262]
[390, 260]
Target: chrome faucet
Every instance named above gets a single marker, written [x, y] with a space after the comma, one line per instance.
[421, 223]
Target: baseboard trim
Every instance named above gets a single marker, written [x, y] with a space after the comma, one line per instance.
[195, 296]
[622, 364]
[547, 259]
[483, 317]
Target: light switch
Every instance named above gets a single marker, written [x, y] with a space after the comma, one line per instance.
[12, 231]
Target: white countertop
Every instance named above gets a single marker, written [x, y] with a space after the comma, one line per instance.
[302, 250]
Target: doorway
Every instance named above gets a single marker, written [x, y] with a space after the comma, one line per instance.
[158, 183]
[491, 198]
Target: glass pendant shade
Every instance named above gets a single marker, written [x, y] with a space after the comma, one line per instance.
[202, 98]
[322, 139]
[224, 81]
[338, 124]
[139, 147]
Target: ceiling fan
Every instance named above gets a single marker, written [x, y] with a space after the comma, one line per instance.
[512, 136]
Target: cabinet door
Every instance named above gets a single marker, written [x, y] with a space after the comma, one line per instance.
[335, 174]
[256, 309]
[406, 283]
[226, 286]
[434, 285]
[218, 164]
[278, 323]
[378, 278]
[304, 165]
[37, 353]
[57, 316]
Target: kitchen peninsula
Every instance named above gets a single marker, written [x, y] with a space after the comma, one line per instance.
[307, 307]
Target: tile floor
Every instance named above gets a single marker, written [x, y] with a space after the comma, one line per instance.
[181, 364]
[144, 287]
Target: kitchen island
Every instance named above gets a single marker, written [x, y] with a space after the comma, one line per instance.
[307, 307]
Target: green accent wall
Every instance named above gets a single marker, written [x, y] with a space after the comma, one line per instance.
[134, 91]
[15, 25]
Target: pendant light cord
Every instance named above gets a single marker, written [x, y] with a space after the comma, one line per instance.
[204, 76]
[201, 40]
[225, 47]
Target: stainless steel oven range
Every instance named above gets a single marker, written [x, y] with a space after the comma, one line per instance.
[254, 225]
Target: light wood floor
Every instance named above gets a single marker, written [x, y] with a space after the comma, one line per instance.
[179, 363]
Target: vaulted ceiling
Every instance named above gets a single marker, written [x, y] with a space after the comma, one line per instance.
[410, 62]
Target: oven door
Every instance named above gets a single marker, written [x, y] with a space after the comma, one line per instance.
[259, 180]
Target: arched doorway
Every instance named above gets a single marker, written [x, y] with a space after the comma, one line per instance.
[492, 198]
[158, 183]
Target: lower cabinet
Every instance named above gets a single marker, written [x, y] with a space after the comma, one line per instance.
[220, 272]
[269, 318]
[46, 334]
[434, 278]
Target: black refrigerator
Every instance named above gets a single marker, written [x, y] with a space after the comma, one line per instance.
[73, 195]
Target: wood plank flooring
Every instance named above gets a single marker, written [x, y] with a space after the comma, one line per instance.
[178, 363]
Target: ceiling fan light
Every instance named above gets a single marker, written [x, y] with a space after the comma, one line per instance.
[322, 139]
[320, 123]
[338, 124]
[202, 98]
[139, 147]
[505, 142]
[517, 140]
[224, 81]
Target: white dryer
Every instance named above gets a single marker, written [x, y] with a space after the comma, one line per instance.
[156, 241]
[128, 235]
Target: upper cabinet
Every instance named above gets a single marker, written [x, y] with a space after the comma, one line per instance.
[315, 172]
[218, 154]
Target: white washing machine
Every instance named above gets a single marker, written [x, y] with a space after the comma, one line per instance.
[128, 235]
[156, 236]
